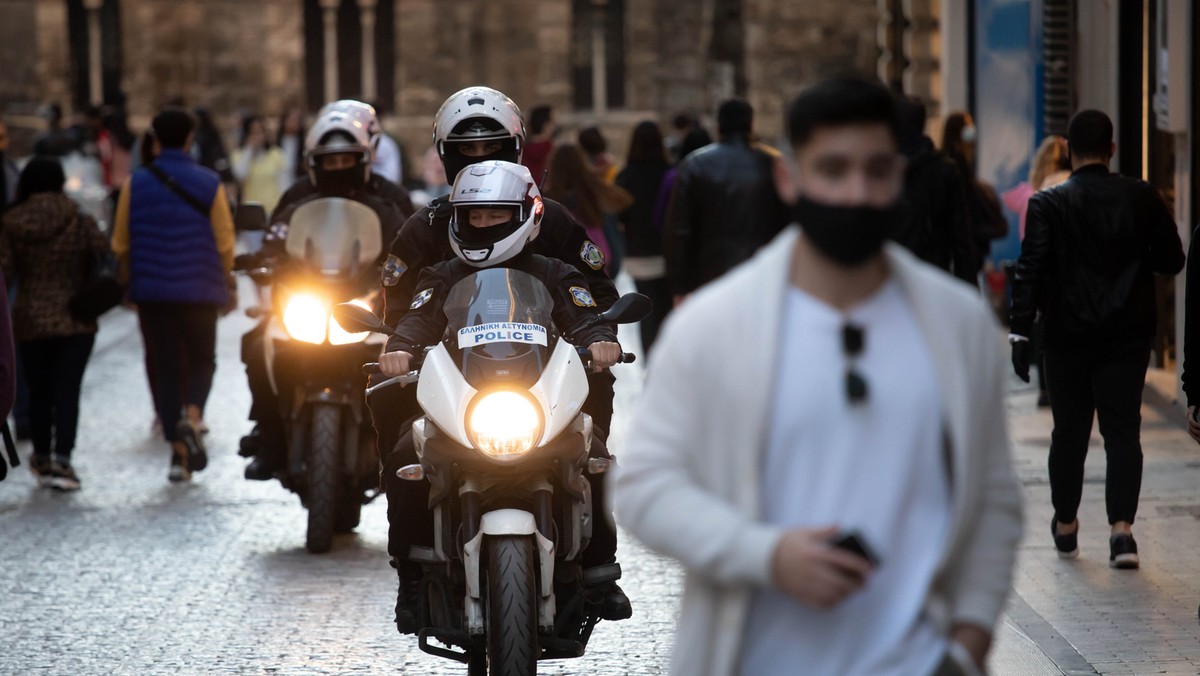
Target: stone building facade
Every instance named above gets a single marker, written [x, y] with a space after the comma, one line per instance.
[659, 56]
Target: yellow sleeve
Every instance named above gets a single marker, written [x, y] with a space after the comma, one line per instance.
[120, 234]
[222, 225]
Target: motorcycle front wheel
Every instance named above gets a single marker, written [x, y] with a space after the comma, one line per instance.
[512, 637]
[323, 477]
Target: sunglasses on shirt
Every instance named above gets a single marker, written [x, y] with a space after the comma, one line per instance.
[853, 341]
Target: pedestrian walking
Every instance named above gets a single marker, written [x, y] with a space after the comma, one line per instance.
[290, 139]
[725, 205]
[1190, 375]
[959, 141]
[645, 167]
[1092, 247]
[821, 439]
[259, 165]
[174, 235]
[936, 228]
[572, 182]
[46, 244]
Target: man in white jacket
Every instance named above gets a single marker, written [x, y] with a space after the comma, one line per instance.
[831, 386]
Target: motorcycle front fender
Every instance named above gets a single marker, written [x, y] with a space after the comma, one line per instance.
[508, 522]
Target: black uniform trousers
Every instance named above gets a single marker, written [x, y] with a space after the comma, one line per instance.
[1105, 379]
[393, 410]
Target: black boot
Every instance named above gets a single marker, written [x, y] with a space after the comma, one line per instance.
[616, 603]
[408, 597]
[602, 581]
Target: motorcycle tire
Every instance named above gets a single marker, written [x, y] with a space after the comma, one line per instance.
[323, 477]
[512, 635]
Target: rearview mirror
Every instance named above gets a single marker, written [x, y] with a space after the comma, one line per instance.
[250, 216]
[630, 308]
[355, 319]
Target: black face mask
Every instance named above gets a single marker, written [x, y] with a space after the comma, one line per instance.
[850, 236]
[340, 182]
[454, 161]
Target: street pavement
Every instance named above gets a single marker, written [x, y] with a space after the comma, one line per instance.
[133, 575]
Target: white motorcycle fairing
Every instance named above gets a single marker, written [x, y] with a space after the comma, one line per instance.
[444, 394]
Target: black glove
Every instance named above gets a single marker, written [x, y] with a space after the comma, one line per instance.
[1020, 359]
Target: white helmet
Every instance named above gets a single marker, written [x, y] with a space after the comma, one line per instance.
[477, 114]
[362, 113]
[338, 132]
[494, 184]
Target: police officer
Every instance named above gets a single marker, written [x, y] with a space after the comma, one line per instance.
[496, 213]
[339, 161]
[473, 125]
[364, 115]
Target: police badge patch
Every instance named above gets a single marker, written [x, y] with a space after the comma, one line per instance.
[421, 298]
[392, 270]
[582, 297]
[592, 255]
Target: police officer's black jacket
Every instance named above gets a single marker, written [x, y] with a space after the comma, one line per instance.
[377, 185]
[1092, 245]
[574, 309]
[425, 240]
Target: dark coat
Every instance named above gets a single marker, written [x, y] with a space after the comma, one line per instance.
[937, 228]
[725, 207]
[46, 244]
[1092, 246]
[642, 180]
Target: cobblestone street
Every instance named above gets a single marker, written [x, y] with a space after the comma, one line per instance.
[133, 575]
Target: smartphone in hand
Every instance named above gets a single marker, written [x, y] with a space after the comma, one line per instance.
[853, 542]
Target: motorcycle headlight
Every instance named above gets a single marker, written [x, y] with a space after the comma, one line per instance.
[340, 336]
[305, 317]
[504, 425]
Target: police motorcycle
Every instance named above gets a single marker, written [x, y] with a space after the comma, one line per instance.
[314, 366]
[504, 445]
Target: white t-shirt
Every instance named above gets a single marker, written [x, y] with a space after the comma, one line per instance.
[876, 467]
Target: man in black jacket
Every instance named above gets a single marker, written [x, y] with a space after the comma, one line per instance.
[1092, 246]
[936, 228]
[725, 206]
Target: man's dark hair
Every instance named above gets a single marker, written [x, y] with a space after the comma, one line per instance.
[172, 126]
[539, 117]
[734, 116]
[1090, 134]
[838, 102]
[592, 141]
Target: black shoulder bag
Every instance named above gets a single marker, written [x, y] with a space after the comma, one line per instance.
[100, 290]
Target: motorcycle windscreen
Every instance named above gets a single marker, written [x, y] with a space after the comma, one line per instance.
[499, 328]
[337, 236]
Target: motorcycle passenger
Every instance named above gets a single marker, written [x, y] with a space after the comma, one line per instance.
[339, 161]
[496, 215]
[474, 125]
[305, 187]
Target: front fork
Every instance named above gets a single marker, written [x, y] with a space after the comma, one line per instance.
[304, 398]
[498, 523]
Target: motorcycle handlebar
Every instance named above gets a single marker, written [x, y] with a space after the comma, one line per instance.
[586, 356]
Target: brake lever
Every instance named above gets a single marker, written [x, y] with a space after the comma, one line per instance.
[406, 379]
